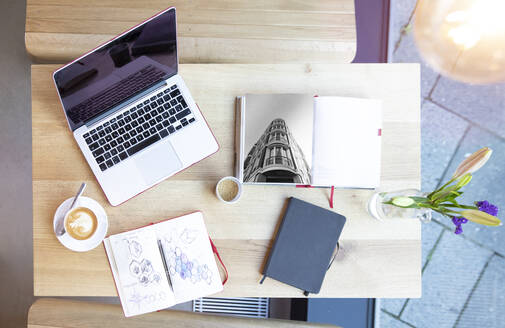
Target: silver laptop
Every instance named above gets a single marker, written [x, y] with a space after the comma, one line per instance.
[131, 113]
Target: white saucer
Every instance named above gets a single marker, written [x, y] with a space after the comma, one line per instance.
[101, 229]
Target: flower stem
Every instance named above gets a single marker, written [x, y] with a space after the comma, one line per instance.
[459, 206]
[439, 189]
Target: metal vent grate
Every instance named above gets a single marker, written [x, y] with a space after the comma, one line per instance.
[256, 307]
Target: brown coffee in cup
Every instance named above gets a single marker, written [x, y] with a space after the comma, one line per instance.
[81, 223]
[228, 190]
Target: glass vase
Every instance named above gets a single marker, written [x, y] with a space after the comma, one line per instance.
[381, 211]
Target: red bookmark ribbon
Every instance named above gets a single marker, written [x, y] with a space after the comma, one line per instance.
[331, 196]
[214, 249]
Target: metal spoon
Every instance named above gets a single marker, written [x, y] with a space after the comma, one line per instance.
[60, 227]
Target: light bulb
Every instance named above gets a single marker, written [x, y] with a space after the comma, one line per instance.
[462, 39]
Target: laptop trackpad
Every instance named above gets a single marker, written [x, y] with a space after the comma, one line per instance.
[157, 162]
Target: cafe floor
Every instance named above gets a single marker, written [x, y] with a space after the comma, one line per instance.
[463, 275]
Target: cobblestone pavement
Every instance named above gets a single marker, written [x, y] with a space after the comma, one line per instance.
[463, 275]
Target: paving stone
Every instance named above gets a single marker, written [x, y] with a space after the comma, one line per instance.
[407, 53]
[393, 305]
[441, 132]
[447, 281]
[455, 256]
[399, 15]
[486, 305]
[388, 321]
[482, 104]
[429, 234]
[487, 184]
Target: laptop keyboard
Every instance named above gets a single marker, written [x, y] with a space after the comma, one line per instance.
[115, 94]
[139, 127]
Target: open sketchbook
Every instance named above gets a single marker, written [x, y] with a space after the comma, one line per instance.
[163, 264]
[308, 140]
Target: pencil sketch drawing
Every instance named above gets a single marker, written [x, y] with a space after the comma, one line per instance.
[139, 300]
[190, 270]
[141, 268]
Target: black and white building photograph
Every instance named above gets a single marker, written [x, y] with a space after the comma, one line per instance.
[278, 139]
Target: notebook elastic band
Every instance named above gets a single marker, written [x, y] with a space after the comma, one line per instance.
[214, 249]
[335, 253]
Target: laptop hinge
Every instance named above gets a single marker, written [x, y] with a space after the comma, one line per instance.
[125, 103]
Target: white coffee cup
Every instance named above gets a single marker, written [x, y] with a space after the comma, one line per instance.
[96, 238]
[229, 190]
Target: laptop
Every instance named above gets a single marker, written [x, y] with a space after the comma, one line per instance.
[131, 113]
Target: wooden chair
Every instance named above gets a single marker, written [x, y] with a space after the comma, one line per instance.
[59, 313]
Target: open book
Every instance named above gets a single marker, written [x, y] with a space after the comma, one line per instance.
[306, 140]
[163, 264]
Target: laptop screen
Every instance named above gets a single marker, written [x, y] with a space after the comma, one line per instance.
[116, 72]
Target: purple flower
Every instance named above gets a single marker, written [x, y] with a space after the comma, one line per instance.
[487, 207]
[458, 221]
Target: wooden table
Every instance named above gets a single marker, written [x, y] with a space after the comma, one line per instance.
[218, 31]
[377, 259]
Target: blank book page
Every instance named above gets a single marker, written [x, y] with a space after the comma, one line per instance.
[347, 142]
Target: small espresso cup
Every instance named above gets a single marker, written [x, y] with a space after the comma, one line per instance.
[81, 223]
[229, 190]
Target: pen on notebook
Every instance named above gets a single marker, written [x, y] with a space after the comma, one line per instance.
[163, 259]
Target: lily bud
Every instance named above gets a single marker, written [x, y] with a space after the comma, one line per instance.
[481, 217]
[402, 201]
[473, 162]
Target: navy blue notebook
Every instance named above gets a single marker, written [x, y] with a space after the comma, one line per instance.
[304, 245]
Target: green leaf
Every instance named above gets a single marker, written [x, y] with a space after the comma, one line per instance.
[442, 194]
[430, 196]
[453, 201]
[420, 199]
[464, 180]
